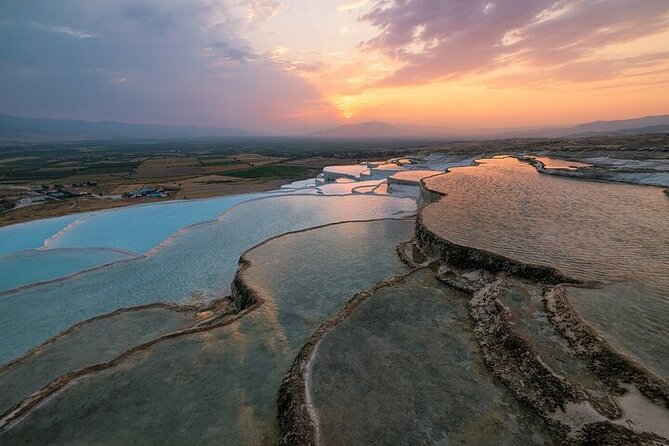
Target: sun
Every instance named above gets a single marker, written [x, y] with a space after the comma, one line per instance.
[345, 105]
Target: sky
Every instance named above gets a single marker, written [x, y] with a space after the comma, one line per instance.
[291, 66]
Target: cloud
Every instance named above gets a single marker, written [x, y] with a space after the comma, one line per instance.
[78, 34]
[350, 5]
[152, 17]
[229, 50]
[260, 11]
[585, 71]
[437, 39]
[166, 61]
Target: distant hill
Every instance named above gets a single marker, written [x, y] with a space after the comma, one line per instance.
[647, 124]
[641, 126]
[41, 129]
[13, 128]
[647, 130]
[373, 129]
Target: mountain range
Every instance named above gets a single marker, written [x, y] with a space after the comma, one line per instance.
[375, 129]
[14, 128]
[42, 129]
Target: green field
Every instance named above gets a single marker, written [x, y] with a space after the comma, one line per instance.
[33, 170]
[207, 163]
[271, 171]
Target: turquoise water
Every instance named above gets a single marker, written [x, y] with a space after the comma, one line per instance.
[26, 267]
[141, 228]
[198, 265]
[220, 387]
[133, 229]
[31, 235]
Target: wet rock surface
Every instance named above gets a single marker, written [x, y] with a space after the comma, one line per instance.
[97, 341]
[401, 365]
[560, 400]
[47, 381]
[471, 258]
[297, 423]
[609, 434]
[649, 171]
[611, 366]
[512, 358]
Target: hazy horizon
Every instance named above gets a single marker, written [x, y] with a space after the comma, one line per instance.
[288, 67]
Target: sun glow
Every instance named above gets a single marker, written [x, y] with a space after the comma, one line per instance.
[346, 105]
[358, 80]
[259, 64]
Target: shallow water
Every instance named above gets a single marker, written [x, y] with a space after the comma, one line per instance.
[27, 267]
[658, 164]
[556, 163]
[589, 230]
[221, 386]
[346, 188]
[97, 342]
[413, 176]
[141, 228]
[198, 265]
[631, 317]
[654, 172]
[300, 184]
[383, 171]
[352, 171]
[405, 368]
[525, 301]
[443, 161]
[133, 230]
[31, 235]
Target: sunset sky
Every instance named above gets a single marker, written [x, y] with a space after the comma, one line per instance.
[296, 65]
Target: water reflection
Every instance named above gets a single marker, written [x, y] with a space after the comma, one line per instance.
[556, 163]
[200, 263]
[26, 267]
[223, 384]
[405, 368]
[590, 230]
